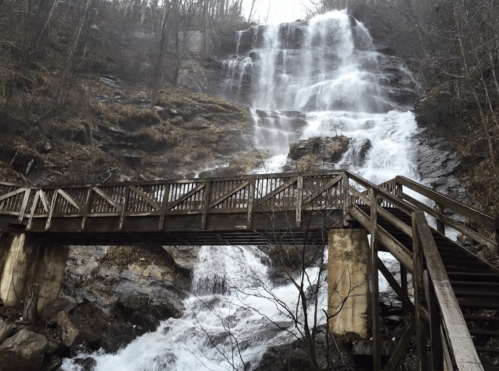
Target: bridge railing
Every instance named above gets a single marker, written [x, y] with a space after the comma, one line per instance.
[247, 194]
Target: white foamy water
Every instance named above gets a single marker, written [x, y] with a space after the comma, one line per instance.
[326, 70]
[226, 324]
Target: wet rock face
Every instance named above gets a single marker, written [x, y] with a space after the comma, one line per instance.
[134, 276]
[25, 351]
[317, 151]
[438, 167]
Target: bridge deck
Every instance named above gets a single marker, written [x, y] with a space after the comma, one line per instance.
[259, 209]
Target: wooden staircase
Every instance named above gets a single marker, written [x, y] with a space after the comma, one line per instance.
[472, 284]
[475, 283]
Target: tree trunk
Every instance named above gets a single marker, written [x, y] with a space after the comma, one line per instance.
[206, 46]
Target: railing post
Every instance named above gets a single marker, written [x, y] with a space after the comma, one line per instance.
[206, 204]
[497, 235]
[403, 286]
[299, 200]
[125, 207]
[435, 335]
[373, 270]
[417, 280]
[346, 197]
[164, 206]
[440, 225]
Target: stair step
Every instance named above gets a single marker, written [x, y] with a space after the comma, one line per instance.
[492, 285]
[460, 292]
[487, 349]
[480, 318]
[474, 302]
[484, 332]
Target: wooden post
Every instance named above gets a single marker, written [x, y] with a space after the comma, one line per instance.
[164, 206]
[497, 235]
[417, 280]
[299, 199]
[373, 274]
[206, 204]
[86, 208]
[440, 225]
[125, 207]
[346, 197]
[435, 336]
[403, 285]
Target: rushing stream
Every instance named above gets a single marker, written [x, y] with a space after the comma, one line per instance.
[327, 72]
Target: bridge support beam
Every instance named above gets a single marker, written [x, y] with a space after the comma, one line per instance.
[347, 281]
[24, 262]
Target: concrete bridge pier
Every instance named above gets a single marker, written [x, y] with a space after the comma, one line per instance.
[25, 261]
[348, 292]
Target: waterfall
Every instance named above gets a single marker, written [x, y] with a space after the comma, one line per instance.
[306, 79]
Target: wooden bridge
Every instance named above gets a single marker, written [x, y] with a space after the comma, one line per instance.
[455, 318]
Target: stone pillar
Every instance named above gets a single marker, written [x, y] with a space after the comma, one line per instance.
[22, 263]
[347, 279]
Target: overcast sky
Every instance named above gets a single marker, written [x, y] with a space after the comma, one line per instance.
[279, 10]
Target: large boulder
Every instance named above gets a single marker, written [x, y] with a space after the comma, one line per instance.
[25, 351]
[324, 152]
[5, 330]
[74, 332]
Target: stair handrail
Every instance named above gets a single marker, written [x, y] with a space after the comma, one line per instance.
[447, 202]
[453, 324]
[442, 202]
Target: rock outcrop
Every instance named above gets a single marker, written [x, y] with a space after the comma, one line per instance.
[25, 351]
[316, 152]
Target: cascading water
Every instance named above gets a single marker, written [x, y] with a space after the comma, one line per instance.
[320, 78]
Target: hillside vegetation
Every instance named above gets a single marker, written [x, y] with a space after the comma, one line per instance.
[90, 90]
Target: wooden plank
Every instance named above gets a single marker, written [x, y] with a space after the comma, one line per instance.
[437, 357]
[401, 347]
[299, 199]
[51, 211]
[449, 203]
[13, 193]
[69, 199]
[164, 204]
[275, 192]
[108, 199]
[44, 200]
[457, 333]
[417, 279]
[124, 209]
[86, 208]
[175, 203]
[346, 198]
[384, 238]
[374, 282]
[452, 223]
[324, 188]
[146, 197]
[229, 194]
[251, 204]
[33, 209]
[400, 204]
[397, 223]
[24, 205]
[405, 292]
[440, 225]
[395, 286]
[447, 358]
[206, 204]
